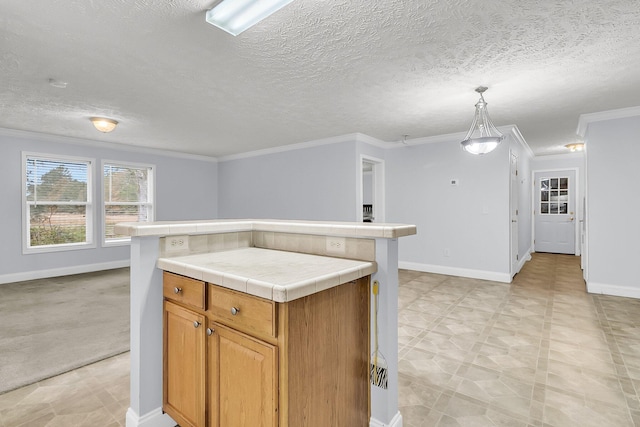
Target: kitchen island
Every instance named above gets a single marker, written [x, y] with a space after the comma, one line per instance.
[278, 261]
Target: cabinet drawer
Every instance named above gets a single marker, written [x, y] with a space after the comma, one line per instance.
[183, 289]
[252, 314]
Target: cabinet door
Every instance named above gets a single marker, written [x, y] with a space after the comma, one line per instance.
[184, 365]
[243, 378]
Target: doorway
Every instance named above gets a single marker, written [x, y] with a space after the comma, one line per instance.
[371, 192]
[555, 211]
[514, 201]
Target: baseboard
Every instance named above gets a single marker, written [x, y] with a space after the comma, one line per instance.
[63, 271]
[456, 271]
[396, 421]
[155, 418]
[614, 290]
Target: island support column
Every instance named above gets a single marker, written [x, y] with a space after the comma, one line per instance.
[384, 403]
[145, 409]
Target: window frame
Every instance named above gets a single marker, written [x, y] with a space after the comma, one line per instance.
[90, 241]
[151, 178]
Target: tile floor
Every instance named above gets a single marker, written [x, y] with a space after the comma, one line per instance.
[537, 352]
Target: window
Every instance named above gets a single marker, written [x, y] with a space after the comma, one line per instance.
[128, 197]
[57, 204]
[554, 196]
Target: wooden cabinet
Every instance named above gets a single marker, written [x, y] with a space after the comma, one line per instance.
[184, 365]
[243, 379]
[258, 363]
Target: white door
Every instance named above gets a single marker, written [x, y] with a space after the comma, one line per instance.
[513, 202]
[555, 212]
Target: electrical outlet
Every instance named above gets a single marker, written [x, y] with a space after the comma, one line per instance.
[176, 243]
[336, 245]
[447, 252]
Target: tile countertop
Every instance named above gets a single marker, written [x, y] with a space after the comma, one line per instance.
[276, 275]
[329, 228]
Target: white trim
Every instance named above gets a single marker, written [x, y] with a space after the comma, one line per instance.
[563, 156]
[379, 201]
[514, 206]
[456, 271]
[90, 208]
[615, 290]
[577, 247]
[523, 260]
[290, 147]
[396, 421]
[62, 271]
[621, 113]
[155, 418]
[45, 137]
[515, 132]
[151, 198]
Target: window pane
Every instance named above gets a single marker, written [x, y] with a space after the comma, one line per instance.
[564, 183]
[553, 208]
[544, 208]
[563, 208]
[544, 196]
[554, 183]
[127, 213]
[544, 184]
[126, 184]
[554, 196]
[57, 224]
[56, 181]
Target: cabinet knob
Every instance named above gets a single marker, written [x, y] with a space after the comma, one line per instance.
[235, 310]
[177, 290]
[209, 331]
[196, 324]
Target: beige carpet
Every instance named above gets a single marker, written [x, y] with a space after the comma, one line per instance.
[51, 326]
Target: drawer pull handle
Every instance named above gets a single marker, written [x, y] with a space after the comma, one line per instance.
[177, 290]
[209, 331]
[196, 324]
[235, 310]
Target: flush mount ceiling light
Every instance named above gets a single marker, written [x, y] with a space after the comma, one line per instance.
[483, 137]
[235, 16]
[103, 124]
[576, 146]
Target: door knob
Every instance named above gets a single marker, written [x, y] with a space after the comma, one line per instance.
[209, 331]
[177, 290]
[196, 324]
[234, 310]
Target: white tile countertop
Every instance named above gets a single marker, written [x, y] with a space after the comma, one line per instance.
[329, 228]
[276, 275]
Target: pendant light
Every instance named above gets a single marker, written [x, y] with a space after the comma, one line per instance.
[483, 137]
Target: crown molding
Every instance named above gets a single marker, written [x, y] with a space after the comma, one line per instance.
[561, 156]
[46, 137]
[517, 136]
[621, 113]
[350, 137]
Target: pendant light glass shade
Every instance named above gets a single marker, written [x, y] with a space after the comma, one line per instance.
[103, 124]
[483, 137]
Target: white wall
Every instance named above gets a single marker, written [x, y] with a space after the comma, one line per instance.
[613, 203]
[470, 220]
[311, 183]
[186, 188]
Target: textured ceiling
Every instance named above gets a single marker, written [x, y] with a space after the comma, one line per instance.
[315, 69]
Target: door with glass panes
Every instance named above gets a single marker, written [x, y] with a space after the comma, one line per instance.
[554, 212]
